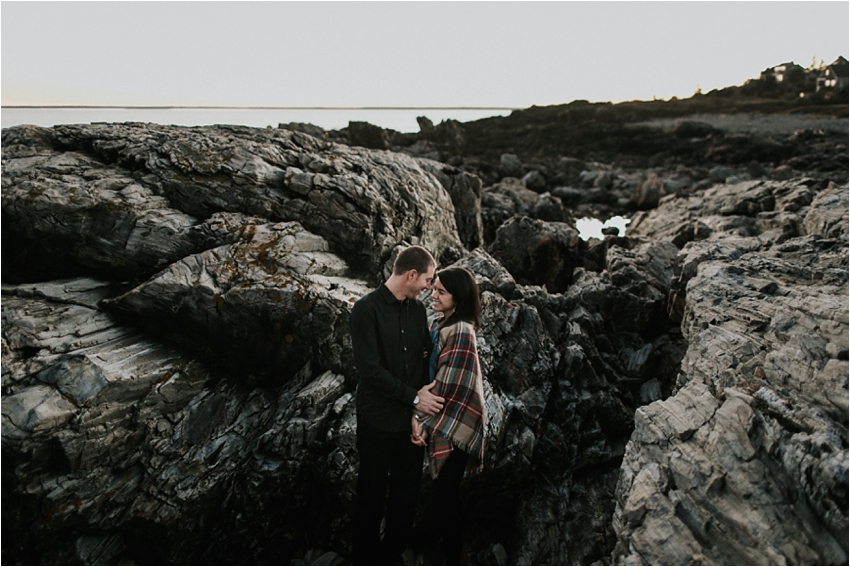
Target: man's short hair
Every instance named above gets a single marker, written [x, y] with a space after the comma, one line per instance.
[413, 258]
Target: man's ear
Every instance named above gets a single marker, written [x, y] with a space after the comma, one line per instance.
[412, 275]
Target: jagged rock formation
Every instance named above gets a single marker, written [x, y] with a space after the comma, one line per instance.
[539, 252]
[747, 463]
[177, 376]
[159, 180]
[465, 191]
[264, 305]
[604, 157]
[122, 448]
[198, 365]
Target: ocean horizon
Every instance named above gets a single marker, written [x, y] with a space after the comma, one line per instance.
[401, 119]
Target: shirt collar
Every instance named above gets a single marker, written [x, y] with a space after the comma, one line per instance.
[388, 295]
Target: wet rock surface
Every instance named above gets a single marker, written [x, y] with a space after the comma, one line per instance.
[177, 377]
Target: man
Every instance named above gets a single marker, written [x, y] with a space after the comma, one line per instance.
[389, 335]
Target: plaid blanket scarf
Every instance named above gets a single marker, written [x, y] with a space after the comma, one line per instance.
[461, 422]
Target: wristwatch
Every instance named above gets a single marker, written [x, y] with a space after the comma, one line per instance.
[416, 400]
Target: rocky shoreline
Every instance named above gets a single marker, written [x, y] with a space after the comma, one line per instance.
[177, 375]
[595, 156]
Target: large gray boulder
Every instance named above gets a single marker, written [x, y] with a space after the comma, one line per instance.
[79, 195]
[136, 448]
[214, 368]
[539, 252]
[771, 209]
[265, 305]
[465, 192]
[747, 462]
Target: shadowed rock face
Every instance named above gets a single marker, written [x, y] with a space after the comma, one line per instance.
[111, 197]
[265, 305]
[177, 370]
[539, 252]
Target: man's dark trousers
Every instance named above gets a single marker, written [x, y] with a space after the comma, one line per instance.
[387, 460]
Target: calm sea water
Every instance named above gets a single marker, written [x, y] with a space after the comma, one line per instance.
[592, 228]
[399, 119]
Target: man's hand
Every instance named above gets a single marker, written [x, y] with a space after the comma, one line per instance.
[429, 403]
[418, 436]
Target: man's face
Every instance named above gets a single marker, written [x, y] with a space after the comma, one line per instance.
[419, 282]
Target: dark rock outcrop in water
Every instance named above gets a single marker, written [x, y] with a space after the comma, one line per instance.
[177, 376]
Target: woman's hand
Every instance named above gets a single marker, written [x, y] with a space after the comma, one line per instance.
[418, 435]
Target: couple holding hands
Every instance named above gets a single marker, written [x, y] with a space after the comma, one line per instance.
[420, 390]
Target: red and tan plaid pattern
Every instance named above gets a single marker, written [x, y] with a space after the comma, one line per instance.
[461, 422]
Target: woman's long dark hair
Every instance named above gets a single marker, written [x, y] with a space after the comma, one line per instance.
[460, 283]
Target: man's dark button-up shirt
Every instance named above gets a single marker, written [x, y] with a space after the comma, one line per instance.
[391, 347]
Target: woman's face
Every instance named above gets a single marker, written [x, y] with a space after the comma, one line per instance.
[443, 301]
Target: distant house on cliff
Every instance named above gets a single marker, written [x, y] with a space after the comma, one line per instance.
[784, 78]
[834, 76]
[785, 71]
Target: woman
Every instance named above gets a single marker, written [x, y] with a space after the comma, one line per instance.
[455, 436]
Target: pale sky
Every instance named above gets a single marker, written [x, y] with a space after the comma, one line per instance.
[501, 54]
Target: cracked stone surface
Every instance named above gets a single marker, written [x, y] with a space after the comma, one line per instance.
[177, 376]
[760, 410]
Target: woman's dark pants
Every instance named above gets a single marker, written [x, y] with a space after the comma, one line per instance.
[444, 514]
